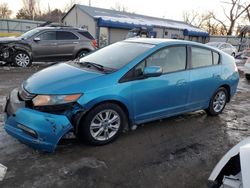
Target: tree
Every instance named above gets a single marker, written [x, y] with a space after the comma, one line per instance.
[30, 10]
[120, 7]
[237, 9]
[204, 21]
[5, 12]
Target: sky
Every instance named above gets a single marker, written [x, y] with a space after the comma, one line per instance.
[170, 9]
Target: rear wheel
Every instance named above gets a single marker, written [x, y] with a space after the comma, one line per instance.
[247, 76]
[217, 102]
[103, 124]
[22, 59]
[82, 53]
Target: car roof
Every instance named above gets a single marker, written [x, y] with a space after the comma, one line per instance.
[161, 41]
[62, 28]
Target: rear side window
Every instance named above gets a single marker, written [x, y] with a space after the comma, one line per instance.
[171, 59]
[65, 35]
[216, 58]
[201, 57]
[86, 34]
[50, 35]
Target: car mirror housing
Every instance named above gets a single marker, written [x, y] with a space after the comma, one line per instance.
[36, 39]
[152, 71]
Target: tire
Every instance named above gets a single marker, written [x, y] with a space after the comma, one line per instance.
[95, 127]
[22, 59]
[247, 76]
[233, 54]
[217, 102]
[81, 54]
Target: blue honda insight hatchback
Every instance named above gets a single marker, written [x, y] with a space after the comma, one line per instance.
[124, 84]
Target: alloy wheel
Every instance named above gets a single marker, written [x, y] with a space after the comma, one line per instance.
[105, 125]
[219, 101]
[22, 60]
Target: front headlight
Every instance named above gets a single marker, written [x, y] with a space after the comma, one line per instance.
[45, 100]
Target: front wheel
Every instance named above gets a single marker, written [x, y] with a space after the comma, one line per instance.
[22, 59]
[217, 102]
[103, 124]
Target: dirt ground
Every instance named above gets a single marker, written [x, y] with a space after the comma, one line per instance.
[175, 152]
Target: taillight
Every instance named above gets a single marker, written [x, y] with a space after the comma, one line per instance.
[235, 67]
[94, 43]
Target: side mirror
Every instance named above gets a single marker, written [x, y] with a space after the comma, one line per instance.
[152, 71]
[36, 39]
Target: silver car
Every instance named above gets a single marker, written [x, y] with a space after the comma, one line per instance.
[225, 47]
[46, 44]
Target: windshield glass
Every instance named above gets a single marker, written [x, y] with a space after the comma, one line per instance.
[30, 33]
[117, 55]
[213, 44]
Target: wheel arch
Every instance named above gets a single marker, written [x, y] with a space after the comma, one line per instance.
[83, 49]
[227, 87]
[90, 107]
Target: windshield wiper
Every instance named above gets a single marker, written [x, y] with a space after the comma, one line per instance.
[90, 64]
[96, 66]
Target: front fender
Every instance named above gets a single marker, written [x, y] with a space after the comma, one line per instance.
[114, 98]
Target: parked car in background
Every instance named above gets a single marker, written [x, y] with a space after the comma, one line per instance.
[141, 32]
[225, 47]
[122, 85]
[233, 170]
[244, 54]
[247, 69]
[46, 44]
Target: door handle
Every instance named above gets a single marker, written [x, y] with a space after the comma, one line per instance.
[181, 82]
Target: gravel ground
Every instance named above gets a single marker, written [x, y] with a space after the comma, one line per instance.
[175, 152]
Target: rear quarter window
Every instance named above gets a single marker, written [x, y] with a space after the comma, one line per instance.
[216, 58]
[86, 34]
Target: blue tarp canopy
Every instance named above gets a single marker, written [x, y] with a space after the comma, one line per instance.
[116, 24]
[194, 33]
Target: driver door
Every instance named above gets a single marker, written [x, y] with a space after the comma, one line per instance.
[167, 94]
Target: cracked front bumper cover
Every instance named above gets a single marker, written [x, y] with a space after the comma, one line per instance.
[39, 130]
[48, 128]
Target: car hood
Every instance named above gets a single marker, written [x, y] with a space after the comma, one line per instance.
[5, 40]
[61, 78]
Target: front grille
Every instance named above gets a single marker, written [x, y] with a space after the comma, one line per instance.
[25, 95]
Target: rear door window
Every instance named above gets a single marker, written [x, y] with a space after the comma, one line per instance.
[201, 57]
[65, 35]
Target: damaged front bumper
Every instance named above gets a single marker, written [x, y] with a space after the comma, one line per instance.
[37, 129]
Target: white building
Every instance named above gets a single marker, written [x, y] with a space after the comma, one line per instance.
[109, 26]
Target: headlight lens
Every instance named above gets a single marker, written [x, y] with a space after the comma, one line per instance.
[45, 100]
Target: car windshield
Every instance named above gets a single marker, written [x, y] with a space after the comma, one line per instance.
[30, 33]
[213, 44]
[117, 55]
